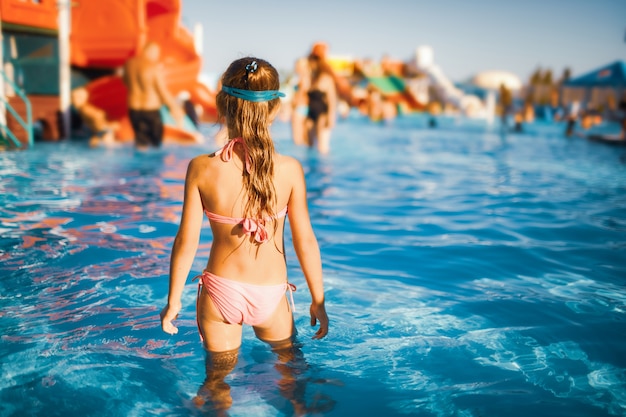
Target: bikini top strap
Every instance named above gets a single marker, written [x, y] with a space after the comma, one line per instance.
[251, 227]
[227, 152]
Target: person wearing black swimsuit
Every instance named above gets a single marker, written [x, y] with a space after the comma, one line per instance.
[322, 105]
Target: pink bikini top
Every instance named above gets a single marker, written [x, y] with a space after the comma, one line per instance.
[251, 226]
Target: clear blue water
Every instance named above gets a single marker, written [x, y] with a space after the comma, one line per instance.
[467, 274]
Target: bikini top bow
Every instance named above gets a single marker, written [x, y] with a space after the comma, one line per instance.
[255, 228]
[226, 152]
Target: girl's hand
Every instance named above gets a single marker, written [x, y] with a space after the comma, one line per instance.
[168, 314]
[318, 313]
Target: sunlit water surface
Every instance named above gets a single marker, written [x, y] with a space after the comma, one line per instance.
[467, 274]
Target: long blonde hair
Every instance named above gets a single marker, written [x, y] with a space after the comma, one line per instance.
[250, 121]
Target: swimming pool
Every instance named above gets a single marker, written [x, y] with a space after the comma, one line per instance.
[467, 274]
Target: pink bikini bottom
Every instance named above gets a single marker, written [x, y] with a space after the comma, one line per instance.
[240, 302]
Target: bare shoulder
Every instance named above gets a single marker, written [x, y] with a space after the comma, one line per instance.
[287, 165]
[199, 165]
[288, 170]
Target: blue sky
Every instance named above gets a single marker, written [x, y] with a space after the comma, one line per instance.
[467, 36]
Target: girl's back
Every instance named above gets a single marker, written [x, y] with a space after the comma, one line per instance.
[234, 253]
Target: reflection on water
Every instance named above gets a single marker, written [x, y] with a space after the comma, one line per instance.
[465, 272]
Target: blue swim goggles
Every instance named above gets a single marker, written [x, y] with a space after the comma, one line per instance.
[254, 96]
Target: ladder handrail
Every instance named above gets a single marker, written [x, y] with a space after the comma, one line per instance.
[11, 135]
[28, 124]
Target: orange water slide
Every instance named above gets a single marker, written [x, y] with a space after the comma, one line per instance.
[39, 14]
[107, 34]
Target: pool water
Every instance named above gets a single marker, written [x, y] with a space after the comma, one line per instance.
[468, 273]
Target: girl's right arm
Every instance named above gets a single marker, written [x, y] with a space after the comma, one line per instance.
[307, 249]
[184, 249]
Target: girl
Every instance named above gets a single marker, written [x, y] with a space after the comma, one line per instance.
[247, 190]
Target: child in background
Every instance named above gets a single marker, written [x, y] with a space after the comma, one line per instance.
[247, 190]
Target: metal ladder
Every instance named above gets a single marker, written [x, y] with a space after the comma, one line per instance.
[7, 137]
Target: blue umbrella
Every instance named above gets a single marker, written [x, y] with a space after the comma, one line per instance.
[612, 75]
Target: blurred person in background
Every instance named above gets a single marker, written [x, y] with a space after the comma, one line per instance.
[101, 130]
[300, 103]
[622, 111]
[147, 92]
[506, 105]
[322, 96]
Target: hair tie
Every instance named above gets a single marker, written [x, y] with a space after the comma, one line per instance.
[251, 67]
